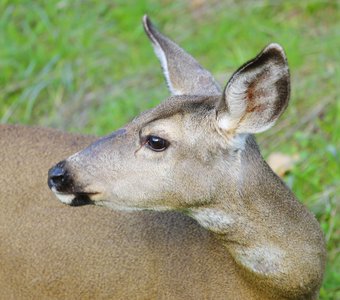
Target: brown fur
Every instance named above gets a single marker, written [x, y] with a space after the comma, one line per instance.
[51, 251]
[258, 241]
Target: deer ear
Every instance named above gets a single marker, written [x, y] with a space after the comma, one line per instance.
[257, 93]
[183, 74]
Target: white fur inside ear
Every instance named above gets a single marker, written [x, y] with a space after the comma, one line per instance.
[164, 63]
[227, 123]
[251, 97]
[225, 127]
[236, 97]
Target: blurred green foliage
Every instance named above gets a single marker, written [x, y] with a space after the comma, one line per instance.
[86, 66]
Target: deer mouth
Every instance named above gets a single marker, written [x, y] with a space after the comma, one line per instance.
[61, 182]
[74, 199]
[82, 199]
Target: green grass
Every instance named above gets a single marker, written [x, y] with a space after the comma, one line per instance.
[86, 66]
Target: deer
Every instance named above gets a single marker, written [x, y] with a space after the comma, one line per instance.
[193, 211]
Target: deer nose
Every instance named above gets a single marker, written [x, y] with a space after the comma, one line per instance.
[58, 177]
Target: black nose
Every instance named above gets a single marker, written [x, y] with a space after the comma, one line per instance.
[58, 177]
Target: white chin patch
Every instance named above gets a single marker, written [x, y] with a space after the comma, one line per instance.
[64, 198]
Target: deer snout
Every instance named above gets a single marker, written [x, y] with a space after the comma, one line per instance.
[59, 179]
[61, 183]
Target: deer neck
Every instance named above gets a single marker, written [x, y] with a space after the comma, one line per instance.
[267, 231]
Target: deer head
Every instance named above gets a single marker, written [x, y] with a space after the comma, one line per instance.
[179, 155]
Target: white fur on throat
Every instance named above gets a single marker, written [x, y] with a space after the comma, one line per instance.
[264, 259]
[212, 219]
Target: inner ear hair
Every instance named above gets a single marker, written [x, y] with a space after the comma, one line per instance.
[183, 74]
[257, 93]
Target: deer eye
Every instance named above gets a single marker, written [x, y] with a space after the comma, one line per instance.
[156, 143]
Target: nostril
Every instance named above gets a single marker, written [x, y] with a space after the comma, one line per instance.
[57, 176]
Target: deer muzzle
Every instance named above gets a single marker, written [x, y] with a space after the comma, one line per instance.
[62, 185]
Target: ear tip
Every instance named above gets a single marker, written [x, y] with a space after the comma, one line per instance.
[148, 25]
[275, 48]
[149, 28]
[146, 21]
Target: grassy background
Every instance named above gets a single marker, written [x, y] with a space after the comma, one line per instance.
[86, 66]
